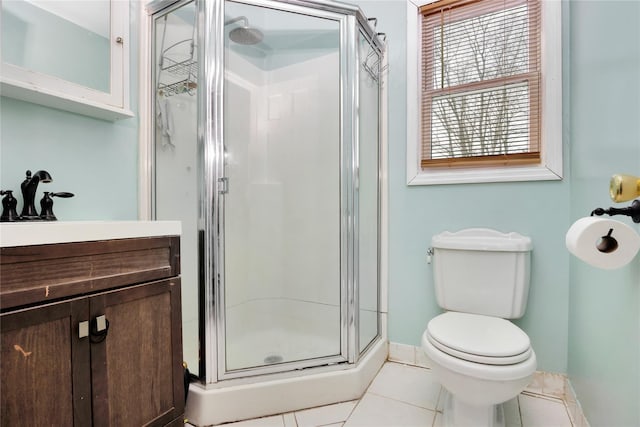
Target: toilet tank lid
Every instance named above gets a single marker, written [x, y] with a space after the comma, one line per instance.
[482, 239]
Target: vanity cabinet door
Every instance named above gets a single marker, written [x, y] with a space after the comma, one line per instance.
[137, 368]
[45, 366]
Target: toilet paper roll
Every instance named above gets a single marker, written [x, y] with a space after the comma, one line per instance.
[603, 243]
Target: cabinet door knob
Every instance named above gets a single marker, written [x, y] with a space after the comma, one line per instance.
[99, 329]
[101, 323]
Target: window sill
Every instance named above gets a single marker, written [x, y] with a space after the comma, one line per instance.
[479, 175]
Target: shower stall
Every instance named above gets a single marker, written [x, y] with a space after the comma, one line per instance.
[265, 140]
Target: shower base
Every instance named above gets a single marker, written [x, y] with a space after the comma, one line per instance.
[246, 398]
[274, 330]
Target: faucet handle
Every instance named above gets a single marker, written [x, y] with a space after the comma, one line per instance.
[46, 204]
[9, 204]
[62, 194]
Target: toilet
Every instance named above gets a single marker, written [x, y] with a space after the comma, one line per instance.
[481, 278]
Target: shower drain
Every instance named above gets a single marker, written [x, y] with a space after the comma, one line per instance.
[273, 358]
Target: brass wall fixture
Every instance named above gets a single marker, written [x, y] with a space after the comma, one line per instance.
[623, 188]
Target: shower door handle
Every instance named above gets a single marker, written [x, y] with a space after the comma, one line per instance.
[223, 185]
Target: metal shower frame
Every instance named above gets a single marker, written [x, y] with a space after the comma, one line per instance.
[210, 16]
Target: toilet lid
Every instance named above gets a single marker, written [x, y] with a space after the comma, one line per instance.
[479, 338]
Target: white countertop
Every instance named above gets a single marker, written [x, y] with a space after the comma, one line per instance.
[46, 232]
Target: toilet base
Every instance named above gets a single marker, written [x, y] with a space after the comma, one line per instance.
[457, 413]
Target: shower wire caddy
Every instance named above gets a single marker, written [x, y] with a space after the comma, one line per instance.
[183, 68]
[179, 63]
[371, 64]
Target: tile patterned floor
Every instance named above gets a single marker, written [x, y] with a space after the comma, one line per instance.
[408, 396]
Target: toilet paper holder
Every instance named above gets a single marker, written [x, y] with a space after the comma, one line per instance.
[633, 211]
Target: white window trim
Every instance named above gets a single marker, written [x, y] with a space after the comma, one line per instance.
[550, 167]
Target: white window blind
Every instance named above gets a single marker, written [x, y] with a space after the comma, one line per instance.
[480, 83]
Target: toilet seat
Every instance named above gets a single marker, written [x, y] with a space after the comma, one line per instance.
[478, 370]
[480, 339]
[510, 360]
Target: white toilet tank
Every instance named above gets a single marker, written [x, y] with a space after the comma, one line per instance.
[482, 271]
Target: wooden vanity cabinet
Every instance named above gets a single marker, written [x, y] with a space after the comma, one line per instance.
[102, 344]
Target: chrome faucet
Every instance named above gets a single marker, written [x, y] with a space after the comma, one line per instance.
[29, 187]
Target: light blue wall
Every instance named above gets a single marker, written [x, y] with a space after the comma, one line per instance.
[604, 324]
[94, 159]
[98, 161]
[537, 209]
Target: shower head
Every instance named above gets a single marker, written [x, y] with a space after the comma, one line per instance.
[244, 34]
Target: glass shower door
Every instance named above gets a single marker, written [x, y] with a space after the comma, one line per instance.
[368, 192]
[175, 152]
[282, 190]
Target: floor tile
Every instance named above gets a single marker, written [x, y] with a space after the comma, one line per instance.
[422, 359]
[409, 384]
[541, 412]
[512, 413]
[289, 420]
[275, 421]
[324, 415]
[405, 396]
[378, 411]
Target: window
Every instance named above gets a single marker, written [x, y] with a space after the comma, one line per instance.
[483, 113]
[480, 80]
